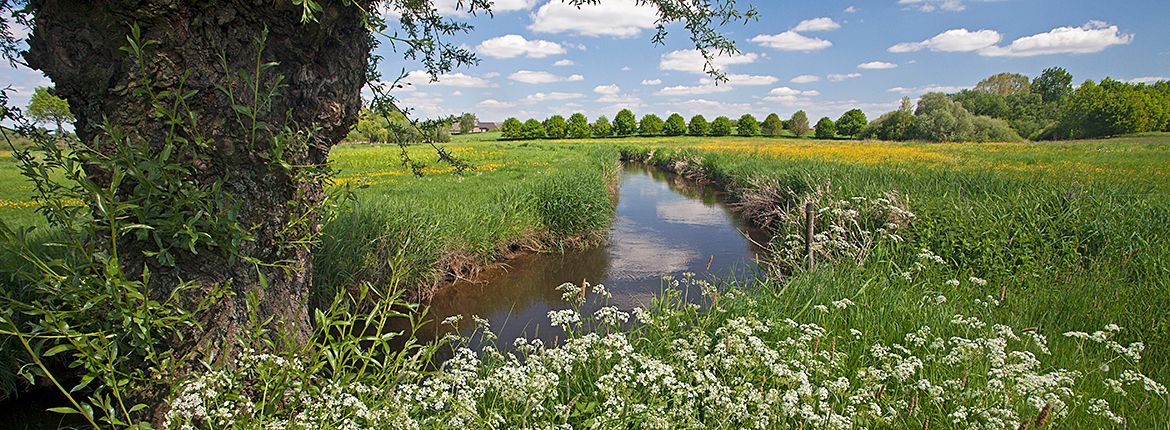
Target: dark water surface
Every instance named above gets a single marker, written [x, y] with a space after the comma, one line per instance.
[664, 225]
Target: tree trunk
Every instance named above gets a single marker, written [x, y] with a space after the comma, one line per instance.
[77, 44]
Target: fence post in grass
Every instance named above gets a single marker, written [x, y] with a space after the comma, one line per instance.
[810, 219]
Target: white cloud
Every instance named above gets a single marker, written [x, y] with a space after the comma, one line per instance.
[564, 62]
[877, 65]
[789, 96]
[1148, 79]
[957, 40]
[420, 77]
[682, 90]
[456, 93]
[746, 80]
[651, 82]
[711, 107]
[851, 9]
[805, 79]
[494, 104]
[837, 77]
[817, 24]
[610, 89]
[1092, 37]
[617, 18]
[553, 96]
[535, 77]
[515, 45]
[453, 8]
[627, 68]
[934, 5]
[691, 60]
[913, 91]
[791, 41]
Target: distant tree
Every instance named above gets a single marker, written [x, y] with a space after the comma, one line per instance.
[46, 108]
[851, 123]
[370, 128]
[624, 124]
[467, 122]
[533, 129]
[601, 127]
[984, 103]
[650, 125]
[772, 125]
[799, 123]
[675, 125]
[512, 128]
[940, 119]
[1005, 84]
[556, 127]
[1053, 84]
[747, 125]
[698, 126]
[721, 126]
[578, 127]
[826, 128]
[1113, 108]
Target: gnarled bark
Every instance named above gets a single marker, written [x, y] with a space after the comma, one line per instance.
[77, 44]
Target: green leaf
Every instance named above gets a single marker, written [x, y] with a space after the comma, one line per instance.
[63, 410]
[57, 350]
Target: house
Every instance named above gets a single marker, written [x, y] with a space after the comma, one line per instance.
[480, 127]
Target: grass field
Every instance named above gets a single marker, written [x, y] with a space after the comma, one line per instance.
[1012, 246]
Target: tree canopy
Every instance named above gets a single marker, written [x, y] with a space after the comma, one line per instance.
[46, 108]
[851, 123]
[799, 123]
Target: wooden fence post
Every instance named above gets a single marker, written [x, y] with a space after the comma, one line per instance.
[810, 220]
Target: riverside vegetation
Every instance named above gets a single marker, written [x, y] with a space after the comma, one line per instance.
[1001, 285]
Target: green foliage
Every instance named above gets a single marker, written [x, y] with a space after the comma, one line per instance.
[467, 121]
[575, 205]
[624, 124]
[675, 125]
[890, 126]
[799, 123]
[512, 128]
[772, 126]
[601, 127]
[556, 127]
[826, 128]
[1005, 84]
[1114, 108]
[578, 127]
[721, 126]
[44, 107]
[650, 125]
[940, 119]
[533, 129]
[747, 125]
[852, 123]
[698, 126]
[1053, 84]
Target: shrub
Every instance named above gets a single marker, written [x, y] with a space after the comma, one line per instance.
[698, 126]
[675, 125]
[624, 124]
[772, 125]
[721, 126]
[826, 129]
[512, 128]
[747, 125]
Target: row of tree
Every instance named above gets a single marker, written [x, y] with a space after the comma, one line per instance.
[852, 123]
[396, 128]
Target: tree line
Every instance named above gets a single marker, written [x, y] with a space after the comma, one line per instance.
[625, 124]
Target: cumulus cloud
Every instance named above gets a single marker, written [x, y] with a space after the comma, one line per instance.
[791, 41]
[515, 45]
[1090, 38]
[957, 40]
[914, 91]
[683, 90]
[877, 65]
[651, 82]
[788, 96]
[817, 24]
[838, 77]
[934, 5]
[553, 96]
[564, 62]
[420, 78]
[494, 104]
[610, 89]
[454, 8]
[745, 80]
[851, 9]
[536, 77]
[805, 79]
[691, 60]
[1148, 79]
[616, 18]
[711, 107]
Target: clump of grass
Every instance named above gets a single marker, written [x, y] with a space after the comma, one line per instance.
[574, 206]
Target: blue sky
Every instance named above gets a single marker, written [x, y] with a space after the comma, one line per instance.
[540, 57]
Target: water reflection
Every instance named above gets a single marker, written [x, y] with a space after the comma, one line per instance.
[663, 225]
